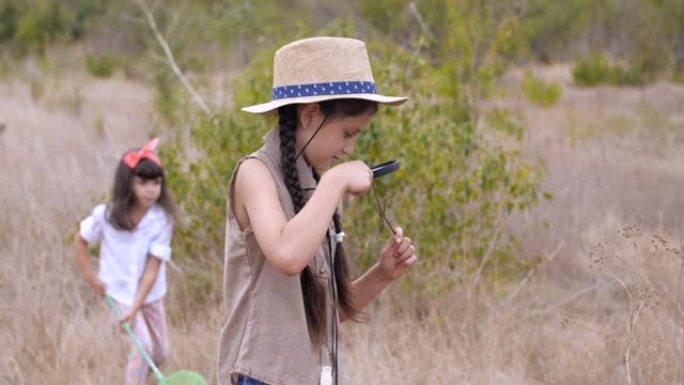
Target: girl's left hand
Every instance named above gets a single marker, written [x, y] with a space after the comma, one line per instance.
[397, 256]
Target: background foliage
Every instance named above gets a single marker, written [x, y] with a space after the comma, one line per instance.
[644, 36]
[456, 185]
[462, 175]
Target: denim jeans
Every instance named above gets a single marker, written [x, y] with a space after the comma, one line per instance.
[244, 380]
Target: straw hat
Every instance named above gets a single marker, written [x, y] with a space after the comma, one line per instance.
[322, 68]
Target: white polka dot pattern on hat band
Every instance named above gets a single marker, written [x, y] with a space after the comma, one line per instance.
[330, 88]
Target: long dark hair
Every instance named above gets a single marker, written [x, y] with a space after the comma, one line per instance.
[312, 291]
[122, 193]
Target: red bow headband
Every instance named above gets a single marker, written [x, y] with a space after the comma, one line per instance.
[147, 152]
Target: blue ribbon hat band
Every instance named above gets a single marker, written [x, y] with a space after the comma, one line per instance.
[330, 88]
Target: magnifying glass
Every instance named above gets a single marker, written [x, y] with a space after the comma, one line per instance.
[385, 168]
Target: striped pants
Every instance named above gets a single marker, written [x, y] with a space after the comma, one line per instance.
[149, 326]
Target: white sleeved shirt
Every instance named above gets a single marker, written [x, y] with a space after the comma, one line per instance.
[123, 253]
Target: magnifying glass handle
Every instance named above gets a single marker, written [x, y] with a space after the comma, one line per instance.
[385, 168]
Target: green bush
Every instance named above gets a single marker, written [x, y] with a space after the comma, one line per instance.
[452, 194]
[101, 66]
[646, 36]
[593, 70]
[678, 76]
[505, 121]
[540, 92]
[596, 69]
[8, 19]
[44, 23]
[31, 25]
[166, 93]
[550, 27]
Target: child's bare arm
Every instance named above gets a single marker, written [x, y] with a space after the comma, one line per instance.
[83, 260]
[289, 245]
[149, 276]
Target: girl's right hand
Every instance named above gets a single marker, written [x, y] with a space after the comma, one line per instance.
[98, 286]
[355, 176]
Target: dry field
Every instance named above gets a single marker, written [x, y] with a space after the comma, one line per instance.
[603, 307]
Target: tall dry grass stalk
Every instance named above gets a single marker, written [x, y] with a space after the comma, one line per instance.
[565, 323]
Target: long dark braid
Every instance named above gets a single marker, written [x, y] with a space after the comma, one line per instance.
[341, 271]
[312, 291]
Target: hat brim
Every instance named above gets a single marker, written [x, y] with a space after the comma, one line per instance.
[272, 106]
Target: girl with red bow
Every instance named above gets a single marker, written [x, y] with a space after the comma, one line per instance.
[134, 230]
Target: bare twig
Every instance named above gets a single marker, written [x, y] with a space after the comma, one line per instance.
[17, 371]
[170, 59]
[622, 283]
[419, 18]
[532, 271]
[570, 299]
[632, 326]
[490, 250]
[636, 257]
[679, 281]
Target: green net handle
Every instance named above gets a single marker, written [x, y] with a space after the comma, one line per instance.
[127, 327]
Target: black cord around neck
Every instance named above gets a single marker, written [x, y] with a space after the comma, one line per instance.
[311, 138]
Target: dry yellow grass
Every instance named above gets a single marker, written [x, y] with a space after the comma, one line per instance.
[567, 324]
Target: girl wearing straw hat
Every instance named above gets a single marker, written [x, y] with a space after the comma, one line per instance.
[286, 282]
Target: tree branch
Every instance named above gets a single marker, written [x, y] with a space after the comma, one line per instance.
[531, 273]
[171, 60]
[419, 18]
[490, 249]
